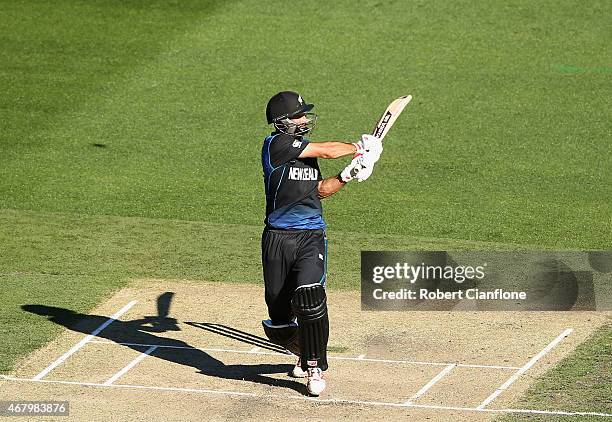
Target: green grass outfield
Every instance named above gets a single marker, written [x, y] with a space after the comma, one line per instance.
[130, 134]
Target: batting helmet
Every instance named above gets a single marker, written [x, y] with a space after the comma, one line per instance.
[287, 105]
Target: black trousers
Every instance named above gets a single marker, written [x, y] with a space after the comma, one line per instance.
[291, 258]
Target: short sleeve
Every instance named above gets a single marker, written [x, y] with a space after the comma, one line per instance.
[285, 147]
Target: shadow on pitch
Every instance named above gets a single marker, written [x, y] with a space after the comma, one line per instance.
[138, 336]
[242, 336]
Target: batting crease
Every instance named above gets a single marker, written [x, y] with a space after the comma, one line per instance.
[314, 399]
[358, 358]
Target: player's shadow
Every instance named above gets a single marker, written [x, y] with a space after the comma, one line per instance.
[136, 335]
[241, 336]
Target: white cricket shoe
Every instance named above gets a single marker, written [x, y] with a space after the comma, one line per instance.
[297, 371]
[316, 383]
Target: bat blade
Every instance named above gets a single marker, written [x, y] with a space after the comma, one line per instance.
[390, 115]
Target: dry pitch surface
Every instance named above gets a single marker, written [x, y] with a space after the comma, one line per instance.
[213, 364]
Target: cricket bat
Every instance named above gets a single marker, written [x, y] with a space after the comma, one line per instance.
[386, 120]
[390, 115]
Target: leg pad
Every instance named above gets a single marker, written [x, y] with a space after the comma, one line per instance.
[309, 304]
[285, 335]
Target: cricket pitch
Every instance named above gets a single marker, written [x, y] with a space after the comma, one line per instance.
[208, 359]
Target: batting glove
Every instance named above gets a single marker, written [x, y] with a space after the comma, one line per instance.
[369, 145]
[357, 169]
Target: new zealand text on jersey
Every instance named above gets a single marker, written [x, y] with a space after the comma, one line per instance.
[303, 173]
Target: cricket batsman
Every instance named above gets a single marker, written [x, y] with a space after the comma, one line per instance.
[294, 244]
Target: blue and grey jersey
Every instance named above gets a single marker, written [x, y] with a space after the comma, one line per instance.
[291, 184]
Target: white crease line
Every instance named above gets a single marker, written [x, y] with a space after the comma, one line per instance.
[130, 365]
[83, 342]
[410, 362]
[456, 408]
[430, 384]
[320, 400]
[413, 362]
[136, 387]
[209, 349]
[524, 369]
[360, 357]
[254, 350]
[161, 346]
